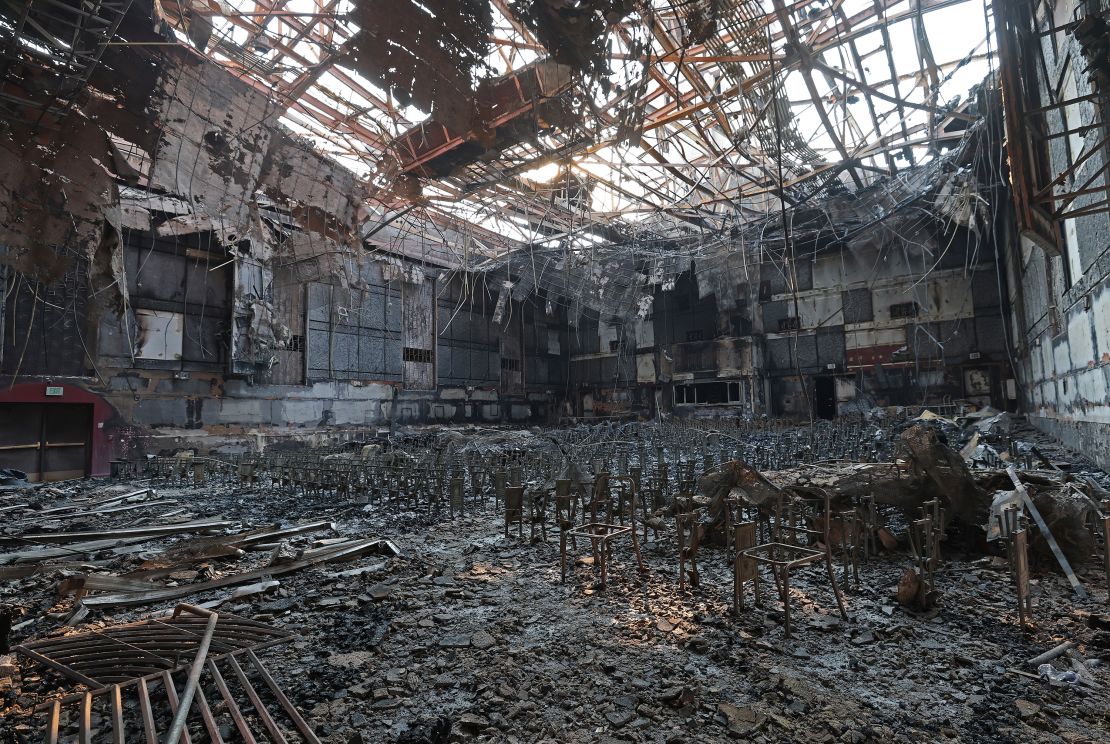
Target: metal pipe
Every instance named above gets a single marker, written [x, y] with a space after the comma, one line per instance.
[178, 724]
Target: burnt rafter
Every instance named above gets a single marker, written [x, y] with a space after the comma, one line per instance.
[670, 108]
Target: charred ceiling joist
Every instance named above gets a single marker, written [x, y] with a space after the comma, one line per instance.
[661, 121]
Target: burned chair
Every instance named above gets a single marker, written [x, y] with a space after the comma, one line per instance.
[792, 546]
[688, 529]
[535, 511]
[514, 509]
[566, 512]
[602, 534]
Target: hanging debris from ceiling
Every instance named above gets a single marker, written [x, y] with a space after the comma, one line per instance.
[429, 54]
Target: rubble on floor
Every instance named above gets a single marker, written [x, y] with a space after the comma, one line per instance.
[393, 598]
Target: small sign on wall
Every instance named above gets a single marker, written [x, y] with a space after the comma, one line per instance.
[54, 391]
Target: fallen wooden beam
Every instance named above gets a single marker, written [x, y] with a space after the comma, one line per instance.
[331, 552]
[154, 530]
[344, 551]
[129, 507]
[259, 536]
[101, 502]
[202, 548]
[80, 583]
[44, 554]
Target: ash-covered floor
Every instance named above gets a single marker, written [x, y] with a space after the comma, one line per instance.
[469, 634]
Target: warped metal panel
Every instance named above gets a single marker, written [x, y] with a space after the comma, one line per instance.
[124, 652]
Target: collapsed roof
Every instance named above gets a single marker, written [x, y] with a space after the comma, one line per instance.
[598, 121]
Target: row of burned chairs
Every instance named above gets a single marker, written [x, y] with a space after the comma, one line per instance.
[600, 513]
[785, 534]
[180, 470]
[434, 482]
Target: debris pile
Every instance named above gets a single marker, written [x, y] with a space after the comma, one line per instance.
[381, 594]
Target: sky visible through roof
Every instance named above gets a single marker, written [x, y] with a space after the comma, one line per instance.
[699, 160]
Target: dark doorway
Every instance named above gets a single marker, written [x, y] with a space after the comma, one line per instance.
[824, 399]
[49, 442]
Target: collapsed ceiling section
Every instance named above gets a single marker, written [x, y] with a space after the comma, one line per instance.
[423, 60]
[579, 122]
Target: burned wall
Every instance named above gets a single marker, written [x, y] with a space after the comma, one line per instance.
[353, 333]
[908, 314]
[44, 330]
[1061, 298]
[178, 311]
[907, 321]
[236, 300]
[467, 347]
[545, 343]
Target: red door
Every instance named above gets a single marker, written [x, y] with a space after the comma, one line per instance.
[48, 441]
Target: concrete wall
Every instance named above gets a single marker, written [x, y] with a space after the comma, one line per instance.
[153, 411]
[1061, 318]
[950, 346]
[1064, 351]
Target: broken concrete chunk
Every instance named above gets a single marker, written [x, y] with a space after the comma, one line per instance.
[257, 588]
[482, 640]
[741, 720]
[620, 718]
[678, 697]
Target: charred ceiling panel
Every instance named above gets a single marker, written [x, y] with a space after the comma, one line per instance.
[326, 195]
[215, 134]
[59, 200]
[62, 46]
[313, 257]
[510, 110]
[574, 33]
[428, 54]
[56, 192]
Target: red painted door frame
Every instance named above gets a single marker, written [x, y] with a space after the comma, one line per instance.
[35, 392]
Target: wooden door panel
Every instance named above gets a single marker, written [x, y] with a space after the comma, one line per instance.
[66, 429]
[20, 430]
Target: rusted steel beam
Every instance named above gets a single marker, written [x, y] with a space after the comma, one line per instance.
[259, 707]
[232, 707]
[171, 696]
[117, 716]
[177, 726]
[286, 704]
[147, 713]
[52, 722]
[85, 732]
